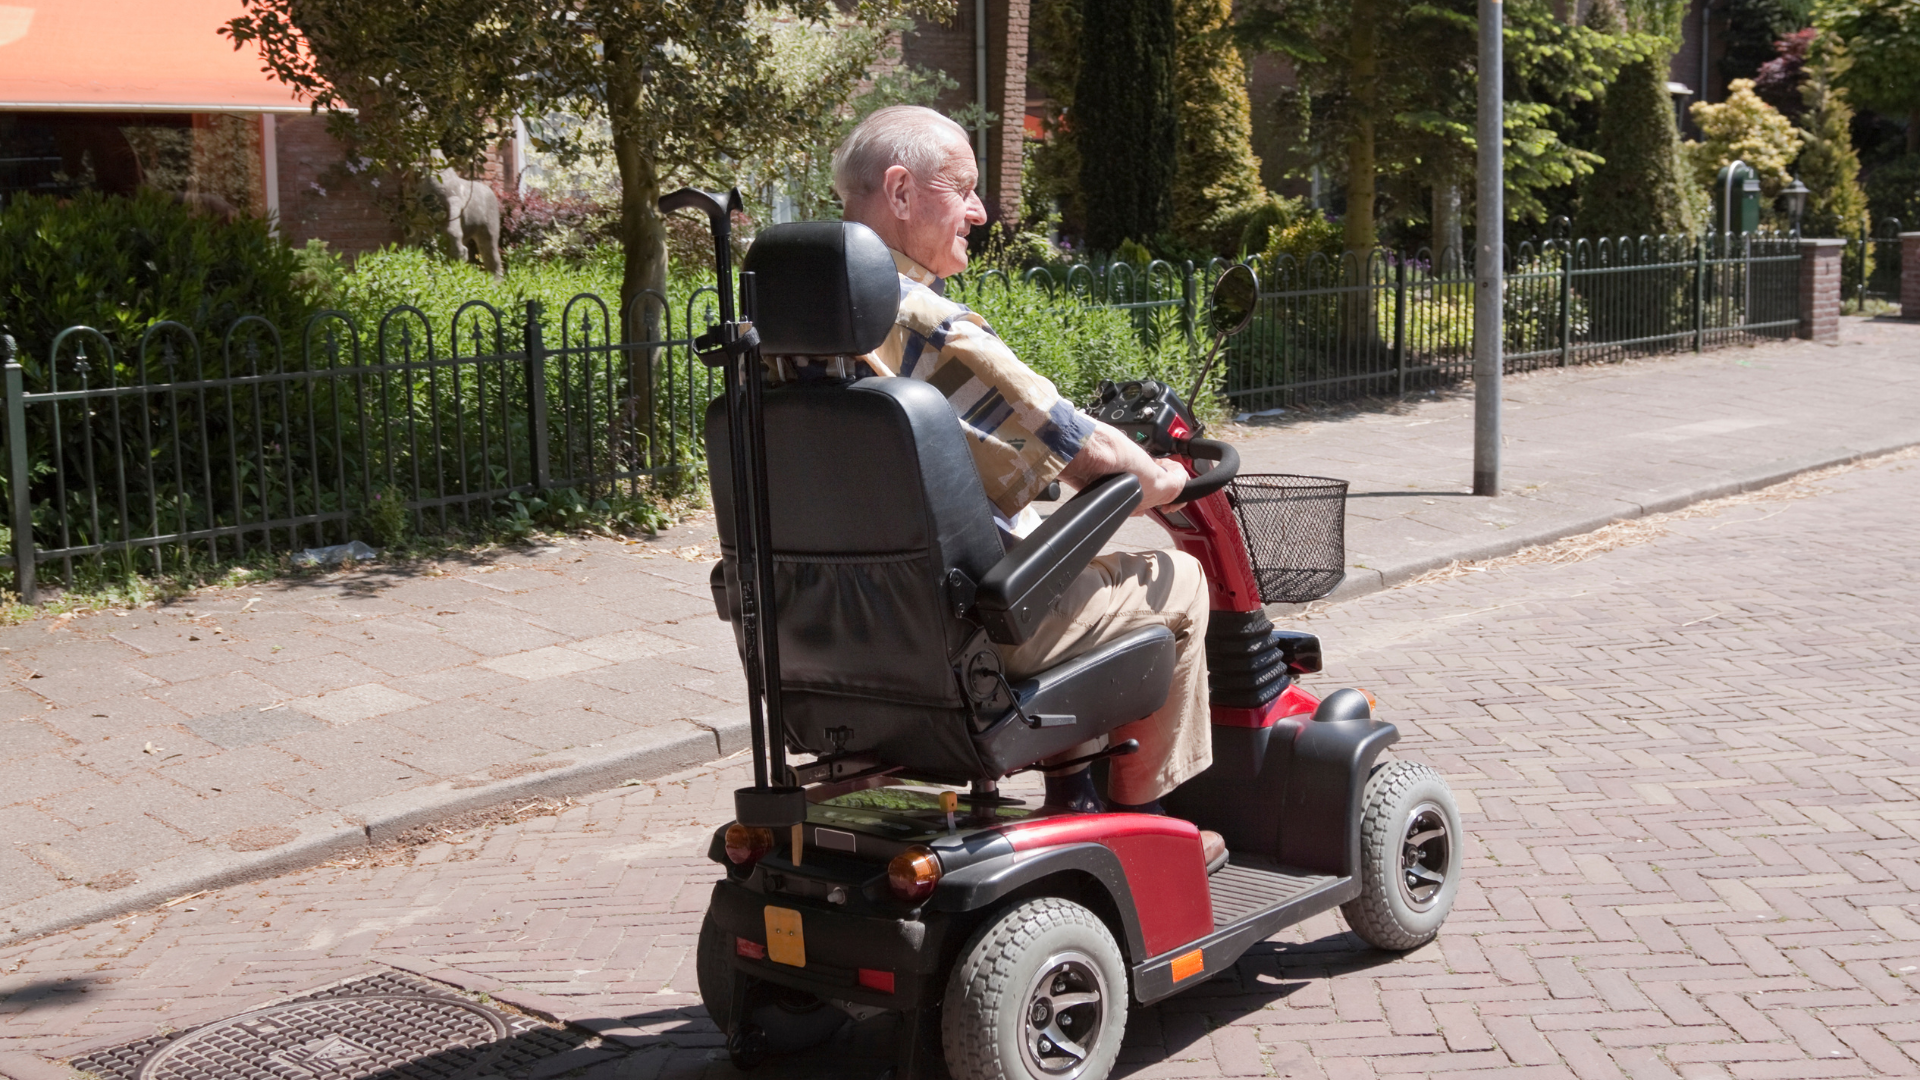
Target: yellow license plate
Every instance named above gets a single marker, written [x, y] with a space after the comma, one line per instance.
[786, 940]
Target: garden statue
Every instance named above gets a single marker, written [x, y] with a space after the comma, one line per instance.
[469, 216]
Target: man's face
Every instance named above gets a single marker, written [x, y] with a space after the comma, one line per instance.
[936, 212]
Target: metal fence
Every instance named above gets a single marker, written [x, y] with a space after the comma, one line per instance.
[175, 447]
[138, 456]
[1872, 269]
[1328, 329]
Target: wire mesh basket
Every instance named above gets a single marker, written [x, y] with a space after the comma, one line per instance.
[1296, 533]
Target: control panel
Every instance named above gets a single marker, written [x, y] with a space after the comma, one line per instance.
[1149, 412]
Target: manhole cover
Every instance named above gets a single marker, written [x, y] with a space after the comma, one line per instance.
[339, 1038]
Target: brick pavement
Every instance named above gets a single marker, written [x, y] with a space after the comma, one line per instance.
[1688, 768]
[147, 754]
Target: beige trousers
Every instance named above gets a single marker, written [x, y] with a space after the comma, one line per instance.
[1118, 593]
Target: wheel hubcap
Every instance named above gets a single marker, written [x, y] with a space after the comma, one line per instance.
[1425, 853]
[1066, 1006]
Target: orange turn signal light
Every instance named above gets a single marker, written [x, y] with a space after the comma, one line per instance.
[747, 845]
[913, 873]
[1372, 702]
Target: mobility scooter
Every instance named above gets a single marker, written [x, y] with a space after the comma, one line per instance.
[867, 586]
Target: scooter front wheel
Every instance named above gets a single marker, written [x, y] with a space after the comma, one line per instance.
[1410, 855]
[1039, 993]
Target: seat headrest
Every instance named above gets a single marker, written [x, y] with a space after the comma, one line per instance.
[822, 288]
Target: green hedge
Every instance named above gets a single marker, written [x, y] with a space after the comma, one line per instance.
[121, 265]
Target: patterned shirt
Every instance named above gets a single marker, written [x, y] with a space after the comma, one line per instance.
[1021, 431]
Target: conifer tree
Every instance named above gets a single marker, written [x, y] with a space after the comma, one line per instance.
[1641, 185]
[1828, 164]
[1125, 120]
[1217, 184]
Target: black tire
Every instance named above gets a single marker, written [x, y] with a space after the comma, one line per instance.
[714, 973]
[1039, 993]
[782, 1020]
[1410, 854]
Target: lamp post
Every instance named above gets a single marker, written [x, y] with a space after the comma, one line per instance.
[1489, 249]
[1795, 195]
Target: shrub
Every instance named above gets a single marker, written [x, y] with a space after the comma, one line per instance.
[1076, 344]
[538, 225]
[1743, 128]
[121, 264]
[1217, 185]
[1828, 165]
[1292, 246]
[1640, 186]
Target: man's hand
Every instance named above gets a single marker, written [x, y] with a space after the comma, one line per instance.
[1108, 451]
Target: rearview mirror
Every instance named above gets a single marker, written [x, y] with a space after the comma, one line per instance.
[1234, 297]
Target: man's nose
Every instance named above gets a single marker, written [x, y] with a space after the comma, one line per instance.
[976, 210]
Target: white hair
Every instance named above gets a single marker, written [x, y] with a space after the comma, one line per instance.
[907, 135]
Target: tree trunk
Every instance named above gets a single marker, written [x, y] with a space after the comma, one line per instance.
[1358, 329]
[1363, 53]
[643, 240]
[1913, 131]
[1448, 236]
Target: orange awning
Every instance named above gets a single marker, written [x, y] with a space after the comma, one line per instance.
[131, 56]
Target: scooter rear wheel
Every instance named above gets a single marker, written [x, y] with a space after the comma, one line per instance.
[1410, 857]
[778, 1021]
[1039, 993]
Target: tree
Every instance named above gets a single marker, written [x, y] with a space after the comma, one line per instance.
[1125, 120]
[1743, 128]
[1217, 181]
[1753, 29]
[1882, 40]
[1641, 185]
[1385, 99]
[1779, 80]
[685, 85]
[1828, 164]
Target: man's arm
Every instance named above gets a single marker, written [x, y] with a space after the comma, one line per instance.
[1108, 451]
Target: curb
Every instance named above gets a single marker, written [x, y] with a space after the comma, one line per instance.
[1378, 579]
[376, 821]
[643, 757]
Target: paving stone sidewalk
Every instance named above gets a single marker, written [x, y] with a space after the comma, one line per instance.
[147, 754]
[1689, 772]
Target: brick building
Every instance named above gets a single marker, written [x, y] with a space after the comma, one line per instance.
[115, 95]
[984, 50]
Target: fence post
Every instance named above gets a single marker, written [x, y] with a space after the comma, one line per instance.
[1190, 309]
[1909, 276]
[1400, 323]
[1566, 305]
[1821, 274]
[536, 396]
[1700, 294]
[20, 499]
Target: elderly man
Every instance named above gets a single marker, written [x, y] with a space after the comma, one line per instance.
[908, 174]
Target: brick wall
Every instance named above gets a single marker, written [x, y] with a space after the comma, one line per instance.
[948, 48]
[320, 198]
[1007, 63]
[1820, 289]
[1910, 275]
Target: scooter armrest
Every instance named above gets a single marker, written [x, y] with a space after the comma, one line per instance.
[1016, 593]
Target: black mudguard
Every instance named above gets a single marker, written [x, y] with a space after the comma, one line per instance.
[1291, 791]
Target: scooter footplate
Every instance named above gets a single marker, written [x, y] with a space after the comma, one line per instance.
[1249, 884]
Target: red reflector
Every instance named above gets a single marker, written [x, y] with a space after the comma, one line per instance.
[752, 950]
[877, 980]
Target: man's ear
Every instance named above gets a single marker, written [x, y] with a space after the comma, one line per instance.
[896, 188]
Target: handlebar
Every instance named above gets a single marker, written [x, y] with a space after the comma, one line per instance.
[1226, 466]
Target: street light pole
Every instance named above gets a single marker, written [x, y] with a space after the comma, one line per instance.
[1489, 229]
